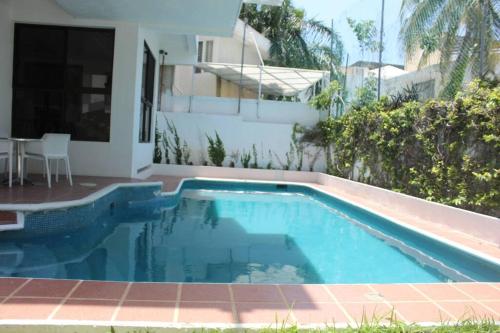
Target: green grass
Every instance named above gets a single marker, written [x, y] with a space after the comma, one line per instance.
[465, 326]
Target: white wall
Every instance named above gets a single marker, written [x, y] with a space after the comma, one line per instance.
[228, 50]
[429, 73]
[123, 155]
[181, 48]
[271, 131]
[268, 111]
[112, 158]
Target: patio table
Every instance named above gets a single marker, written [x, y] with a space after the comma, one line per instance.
[19, 147]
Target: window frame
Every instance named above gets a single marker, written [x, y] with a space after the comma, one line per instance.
[147, 102]
[66, 90]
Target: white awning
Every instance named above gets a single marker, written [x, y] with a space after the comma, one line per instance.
[265, 2]
[278, 81]
[191, 17]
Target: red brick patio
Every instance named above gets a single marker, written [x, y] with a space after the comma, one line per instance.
[157, 304]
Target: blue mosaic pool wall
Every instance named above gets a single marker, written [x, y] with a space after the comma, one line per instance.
[115, 203]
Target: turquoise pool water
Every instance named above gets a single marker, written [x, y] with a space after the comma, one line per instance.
[231, 232]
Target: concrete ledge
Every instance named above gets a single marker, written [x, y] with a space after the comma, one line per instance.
[479, 225]
[50, 205]
[235, 173]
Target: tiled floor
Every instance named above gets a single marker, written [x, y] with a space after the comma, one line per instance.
[158, 304]
[108, 303]
[38, 192]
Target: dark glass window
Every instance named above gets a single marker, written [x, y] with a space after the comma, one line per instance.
[147, 93]
[62, 81]
[200, 56]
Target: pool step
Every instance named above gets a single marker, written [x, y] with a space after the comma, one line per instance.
[11, 220]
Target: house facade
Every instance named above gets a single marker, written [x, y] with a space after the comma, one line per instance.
[90, 68]
[185, 80]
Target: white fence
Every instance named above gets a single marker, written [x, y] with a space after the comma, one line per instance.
[269, 129]
[251, 109]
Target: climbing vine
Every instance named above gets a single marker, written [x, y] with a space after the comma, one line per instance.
[443, 151]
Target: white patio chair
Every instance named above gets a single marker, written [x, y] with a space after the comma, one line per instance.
[52, 147]
[6, 153]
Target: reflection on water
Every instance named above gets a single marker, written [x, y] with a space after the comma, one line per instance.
[215, 236]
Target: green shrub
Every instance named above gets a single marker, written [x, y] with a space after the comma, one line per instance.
[172, 143]
[157, 155]
[216, 151]
[255, 163]
[245, 159]
[448, 152]
[186, 153]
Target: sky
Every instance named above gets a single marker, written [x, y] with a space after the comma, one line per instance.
[340, 10]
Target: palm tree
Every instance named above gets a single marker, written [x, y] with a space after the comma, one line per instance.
[464, 32]
[295, 40]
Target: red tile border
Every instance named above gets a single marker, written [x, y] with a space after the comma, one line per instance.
[152, 292]
[263, 313]
[422, 312]
[28, 308]
[46, 288]
[256, 293]
[441, 292]
[466, 310]
[308, 293]
[479, 291]
[228, 304]
[353, 293]
[368, 312]
[494, 306]
[205, 293]
[146, 311]
[398, 292]
[197, 312]
[7, 217]
[9, 285]
[319, 313]
[100, 290]
[84, 309]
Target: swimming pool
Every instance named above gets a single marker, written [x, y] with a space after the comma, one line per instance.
[217, 231]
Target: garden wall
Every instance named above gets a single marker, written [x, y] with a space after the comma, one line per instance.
[270, 129]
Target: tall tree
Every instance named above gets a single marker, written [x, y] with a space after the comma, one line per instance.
[296, 41]
[463, 31]
[366, 34]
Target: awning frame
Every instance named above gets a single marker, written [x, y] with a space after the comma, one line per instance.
[283, 86]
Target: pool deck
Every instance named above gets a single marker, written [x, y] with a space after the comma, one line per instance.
[56, 302]
[172, 305]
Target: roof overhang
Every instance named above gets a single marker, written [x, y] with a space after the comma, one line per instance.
[197, 17]
[265, 2]
[254, 38]
[278, 81]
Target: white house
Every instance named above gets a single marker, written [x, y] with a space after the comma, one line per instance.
[190, 80]
[426, 76]
[90, 68]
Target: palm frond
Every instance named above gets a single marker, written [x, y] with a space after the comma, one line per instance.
[463, 30]
[456, 74]
[416, 16]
